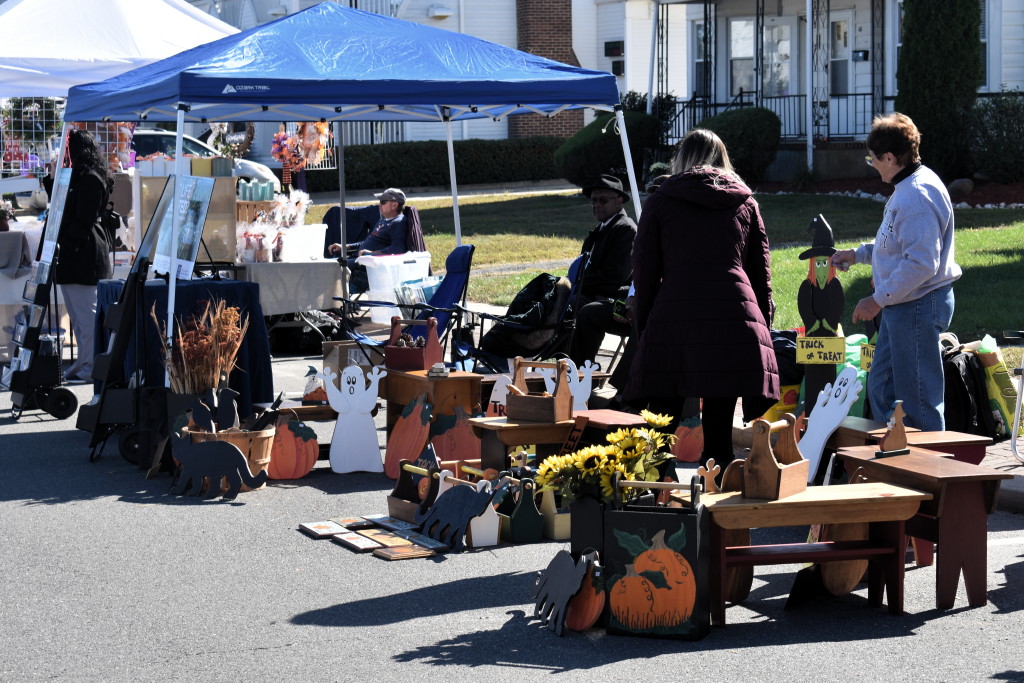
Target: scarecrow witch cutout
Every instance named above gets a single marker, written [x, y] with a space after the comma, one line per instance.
[820, 301]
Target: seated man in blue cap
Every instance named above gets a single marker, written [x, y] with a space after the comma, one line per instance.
[387, 237]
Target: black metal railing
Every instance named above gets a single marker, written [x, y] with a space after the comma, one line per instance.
[849, 114]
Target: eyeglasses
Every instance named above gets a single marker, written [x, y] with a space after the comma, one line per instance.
[601, 200]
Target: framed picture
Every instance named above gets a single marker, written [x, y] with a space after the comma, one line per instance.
[58, 198]
[19, 333]
[29, 293]
[191, 203]
[40, 273]
[34, 314]
[24, 358]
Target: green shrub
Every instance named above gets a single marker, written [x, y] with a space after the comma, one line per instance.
[597, 149]
[997, 136]
[938, 79]
[663, 107]
[425, 164]
[751, 135]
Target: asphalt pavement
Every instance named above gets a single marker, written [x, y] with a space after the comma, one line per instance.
[110, 578]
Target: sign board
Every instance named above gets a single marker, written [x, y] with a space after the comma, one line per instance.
[191, 203]
[867, 354]
[820, 350]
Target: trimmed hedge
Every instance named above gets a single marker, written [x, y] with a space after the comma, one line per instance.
[751, 136]
[997, 140]
[592, 152]
[937, 79]
[425, 164]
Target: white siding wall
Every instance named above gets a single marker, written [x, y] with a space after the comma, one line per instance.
[1012, 38]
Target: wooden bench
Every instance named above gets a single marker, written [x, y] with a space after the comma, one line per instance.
[883, 506]
[956, 518]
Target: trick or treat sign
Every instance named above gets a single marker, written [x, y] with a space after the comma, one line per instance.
[820, 350]
[867, 354]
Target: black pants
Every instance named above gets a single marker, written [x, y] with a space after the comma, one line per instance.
[716, 421]
[593, 321]
[358, 280]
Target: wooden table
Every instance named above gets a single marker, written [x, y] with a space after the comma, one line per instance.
[858, 431]
[497, 434]
[401, 387]
[963, 495]
[883, 506]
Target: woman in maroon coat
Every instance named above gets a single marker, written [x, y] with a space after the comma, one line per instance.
[703, 294]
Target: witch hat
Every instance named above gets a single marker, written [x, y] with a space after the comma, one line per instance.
[822, 244]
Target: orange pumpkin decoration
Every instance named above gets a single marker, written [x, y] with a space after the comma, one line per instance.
[672, 605]
[689, 440]
[294, 451]
[632, 601]
[584, 608]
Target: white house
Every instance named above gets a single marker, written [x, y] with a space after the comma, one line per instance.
[709, 54]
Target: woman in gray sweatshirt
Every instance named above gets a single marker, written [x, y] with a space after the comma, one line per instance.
[913, 267]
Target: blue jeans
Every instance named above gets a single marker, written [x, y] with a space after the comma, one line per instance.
[908, 362]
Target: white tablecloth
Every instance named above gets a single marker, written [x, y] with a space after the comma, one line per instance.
[293, 287]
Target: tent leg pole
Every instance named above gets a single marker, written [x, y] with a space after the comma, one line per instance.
[172, 277]
[455, 189]
[339, 150]
[620, 122]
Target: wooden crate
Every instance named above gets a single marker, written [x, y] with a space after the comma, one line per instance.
[534, 407]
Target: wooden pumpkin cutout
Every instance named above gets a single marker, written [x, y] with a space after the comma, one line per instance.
[689, 443]
[555, 587]
[294, 451]
[584, 608]
[453, 437]
[409, 437]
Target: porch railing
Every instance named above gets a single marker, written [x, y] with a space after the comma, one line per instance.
[849, 113]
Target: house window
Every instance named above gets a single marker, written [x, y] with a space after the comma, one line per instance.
[699, 65]
[778, 58]
[741, 55]
[839, 56]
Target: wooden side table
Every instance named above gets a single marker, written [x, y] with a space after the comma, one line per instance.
[498, 434]
[400, 388]
[883, 506]
[859, 431]
[963, 495]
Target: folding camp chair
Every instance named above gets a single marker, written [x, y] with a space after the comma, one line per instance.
[445, 305]
[479, 359]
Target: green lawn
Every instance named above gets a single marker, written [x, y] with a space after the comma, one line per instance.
[510, 229]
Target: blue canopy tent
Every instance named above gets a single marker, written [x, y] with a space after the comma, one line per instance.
[333, 63]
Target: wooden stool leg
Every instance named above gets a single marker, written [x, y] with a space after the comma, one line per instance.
[716, 548]
[924, 551]
[889, 570]
[963, 546]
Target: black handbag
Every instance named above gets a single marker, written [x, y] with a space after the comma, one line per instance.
[656, 566]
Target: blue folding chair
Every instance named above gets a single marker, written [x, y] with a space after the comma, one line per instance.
[480, 359]
[445, 305]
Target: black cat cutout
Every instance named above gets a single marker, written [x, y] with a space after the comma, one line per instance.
[449, 518]
[210, 461]
[555, 586]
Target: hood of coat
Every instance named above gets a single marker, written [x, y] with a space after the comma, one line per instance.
[710, 187]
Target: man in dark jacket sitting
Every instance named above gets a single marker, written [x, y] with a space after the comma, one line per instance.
[387, 237]
[606, 268]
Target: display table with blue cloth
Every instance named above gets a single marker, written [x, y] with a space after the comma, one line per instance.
[252, 377]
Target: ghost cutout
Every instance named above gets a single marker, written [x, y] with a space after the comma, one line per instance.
[581, 388]
[549, 377]
[498, 398]
[354, 447]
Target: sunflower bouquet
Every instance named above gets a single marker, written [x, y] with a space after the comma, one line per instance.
[634, 453]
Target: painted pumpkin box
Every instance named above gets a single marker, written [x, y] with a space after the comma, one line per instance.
[656, 570]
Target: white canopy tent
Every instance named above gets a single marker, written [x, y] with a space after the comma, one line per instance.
[51, 45]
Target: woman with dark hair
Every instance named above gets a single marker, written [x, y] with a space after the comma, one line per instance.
[83, 249]
[913, 268]
[703, 294]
